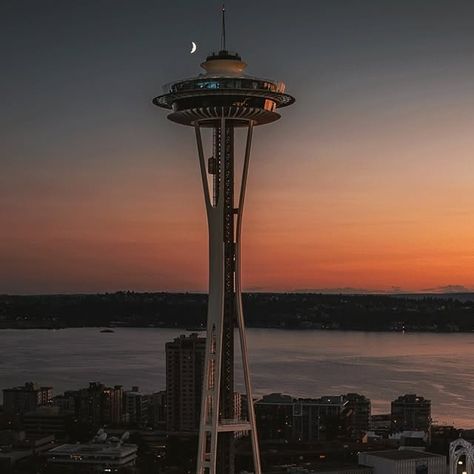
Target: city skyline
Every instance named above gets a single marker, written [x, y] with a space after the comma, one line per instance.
[376, 196]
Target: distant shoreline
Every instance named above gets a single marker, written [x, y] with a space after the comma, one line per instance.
[420, 313]
[185, 329]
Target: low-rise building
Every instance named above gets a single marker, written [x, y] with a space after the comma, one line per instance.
[274, 415]
[381, 424]
[154, 442]
[414, 439]
[284, 418]
[47, 420]
[334, 470]
[404, 461]
[102, 454]
[320, 469]
[319, 419]
[17, 447]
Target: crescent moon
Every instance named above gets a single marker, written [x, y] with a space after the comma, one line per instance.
[194, 47]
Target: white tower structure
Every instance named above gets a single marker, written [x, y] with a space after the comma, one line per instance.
[222, 100]
[461, 457]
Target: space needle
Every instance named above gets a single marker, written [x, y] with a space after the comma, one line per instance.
[217, 104]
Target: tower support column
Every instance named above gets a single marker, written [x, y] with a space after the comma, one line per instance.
[225, 458]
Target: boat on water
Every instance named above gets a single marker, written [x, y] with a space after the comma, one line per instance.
[107, 330]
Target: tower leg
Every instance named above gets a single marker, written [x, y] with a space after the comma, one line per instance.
[240, 314]
[210, 404]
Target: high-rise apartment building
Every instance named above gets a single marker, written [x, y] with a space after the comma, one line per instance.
[157, 410]
[112, 404]
[410, 413]
[19, 400]
[98, 404]
[184, 379]
[359, 414]
[136, 406]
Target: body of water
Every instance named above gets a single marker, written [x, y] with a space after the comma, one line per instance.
[381, 366]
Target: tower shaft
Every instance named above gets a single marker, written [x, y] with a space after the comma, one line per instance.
[219, 423]
[226, 159]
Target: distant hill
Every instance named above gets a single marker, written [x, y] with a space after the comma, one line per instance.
[469, 296]
[409, 312]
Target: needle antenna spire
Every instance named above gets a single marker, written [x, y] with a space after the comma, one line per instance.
[223, 42]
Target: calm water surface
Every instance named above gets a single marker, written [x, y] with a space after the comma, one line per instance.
[302, 363]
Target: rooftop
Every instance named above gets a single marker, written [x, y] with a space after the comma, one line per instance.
[313, 468]
[326, 400]
[28, 387]
[403, 454]
[95, 448]
[276, 398]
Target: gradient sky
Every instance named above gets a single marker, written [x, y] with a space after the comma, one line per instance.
[367, 181]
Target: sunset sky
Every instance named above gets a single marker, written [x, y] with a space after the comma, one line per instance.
[367, 182]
